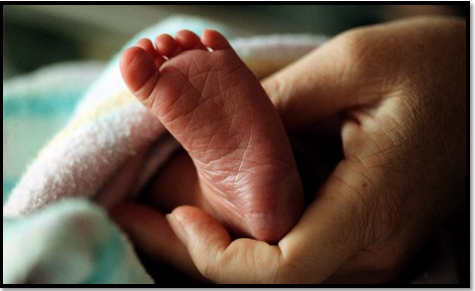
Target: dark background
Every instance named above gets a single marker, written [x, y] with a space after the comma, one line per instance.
[37, 35]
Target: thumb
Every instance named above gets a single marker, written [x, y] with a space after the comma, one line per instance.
[217, 256]
[332, 78]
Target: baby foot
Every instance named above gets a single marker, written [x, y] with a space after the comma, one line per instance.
[217, 109]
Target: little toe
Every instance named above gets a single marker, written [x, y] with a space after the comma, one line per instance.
[147, 45]
[167, 46]
[214, 40]
[138, 71]
[189, 40]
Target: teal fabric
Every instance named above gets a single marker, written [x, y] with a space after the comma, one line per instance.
[72, 241]
[110, 254]
[7, 188]
[26, 106]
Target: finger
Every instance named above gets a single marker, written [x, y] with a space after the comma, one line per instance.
[151, 233]
[328, 80]
[219, 258]
[331, 232]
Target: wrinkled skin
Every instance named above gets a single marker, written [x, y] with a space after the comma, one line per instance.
[401, 87]
[217, 109]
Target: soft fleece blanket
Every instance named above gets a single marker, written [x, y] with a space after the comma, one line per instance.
[55, 226]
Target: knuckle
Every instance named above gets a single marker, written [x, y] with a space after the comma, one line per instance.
[368, 61]
[355, 48]
[276, 90]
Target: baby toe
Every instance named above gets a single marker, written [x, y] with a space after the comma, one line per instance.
[214, 40]
[167, 46]
[189, 40]
[147, 46]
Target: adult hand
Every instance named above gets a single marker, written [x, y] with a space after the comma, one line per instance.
[401, 87]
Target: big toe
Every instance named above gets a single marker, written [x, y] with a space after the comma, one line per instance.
[139, 71]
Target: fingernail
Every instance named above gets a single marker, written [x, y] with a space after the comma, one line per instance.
[177, 228]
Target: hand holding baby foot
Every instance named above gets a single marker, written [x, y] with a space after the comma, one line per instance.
[216, 108]
[404, 167]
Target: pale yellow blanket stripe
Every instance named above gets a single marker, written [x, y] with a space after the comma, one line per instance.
[120, 99]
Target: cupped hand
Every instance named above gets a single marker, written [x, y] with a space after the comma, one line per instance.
[401, 90]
